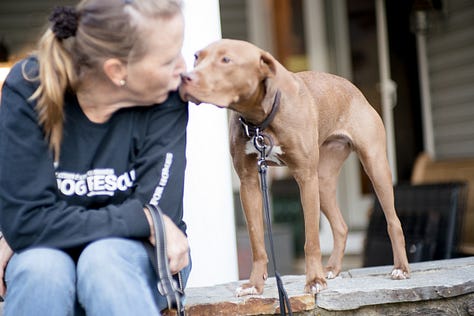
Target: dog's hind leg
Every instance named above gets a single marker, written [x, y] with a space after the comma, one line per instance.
[375, 162]
[331, 158]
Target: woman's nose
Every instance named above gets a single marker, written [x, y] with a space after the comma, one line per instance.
[180, 66]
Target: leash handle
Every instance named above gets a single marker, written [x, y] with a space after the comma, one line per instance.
[167, 285]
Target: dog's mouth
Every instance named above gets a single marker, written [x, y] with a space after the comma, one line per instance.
[192, 99]
[196, 101]
[186, 96]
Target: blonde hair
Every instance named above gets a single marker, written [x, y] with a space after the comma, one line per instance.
[105, 29]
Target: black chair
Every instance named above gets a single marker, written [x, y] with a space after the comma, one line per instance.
[431, 217]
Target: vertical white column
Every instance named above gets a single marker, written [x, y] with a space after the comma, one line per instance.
[388, 88]
[423, 70]
[260, 24]
[315, 30]
[208, 200]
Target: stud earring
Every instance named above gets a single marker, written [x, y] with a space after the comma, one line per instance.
[122, 82]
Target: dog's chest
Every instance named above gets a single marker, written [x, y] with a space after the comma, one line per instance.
[275, 153]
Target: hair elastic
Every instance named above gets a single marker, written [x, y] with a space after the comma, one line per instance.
[65, 21]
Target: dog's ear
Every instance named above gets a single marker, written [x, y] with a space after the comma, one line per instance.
[268, 64]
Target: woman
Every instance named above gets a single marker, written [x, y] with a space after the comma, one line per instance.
[92, 129]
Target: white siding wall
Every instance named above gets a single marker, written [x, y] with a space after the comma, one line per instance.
[450, 46]
[234, 15]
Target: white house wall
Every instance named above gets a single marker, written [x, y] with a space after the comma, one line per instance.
[450, 50]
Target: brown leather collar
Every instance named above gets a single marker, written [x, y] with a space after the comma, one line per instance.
[251, 129]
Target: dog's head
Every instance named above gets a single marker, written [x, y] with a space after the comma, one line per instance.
[227, 72]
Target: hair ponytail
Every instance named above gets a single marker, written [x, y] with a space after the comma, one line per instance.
[56, 74]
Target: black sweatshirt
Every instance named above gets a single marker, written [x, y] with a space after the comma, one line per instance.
[106, 172]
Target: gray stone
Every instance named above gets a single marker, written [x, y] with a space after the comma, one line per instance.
[428, 281]
[433, 287]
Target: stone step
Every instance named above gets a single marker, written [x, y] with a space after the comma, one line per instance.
[433, 286]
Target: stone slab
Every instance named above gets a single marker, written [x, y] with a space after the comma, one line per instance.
[221, 299]
[429, 281]
[353, 289]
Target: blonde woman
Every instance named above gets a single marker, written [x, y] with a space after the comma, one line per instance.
[92, 129]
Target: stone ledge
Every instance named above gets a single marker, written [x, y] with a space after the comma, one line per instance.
[366, 291]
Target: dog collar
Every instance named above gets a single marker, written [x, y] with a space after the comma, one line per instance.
[251, 130]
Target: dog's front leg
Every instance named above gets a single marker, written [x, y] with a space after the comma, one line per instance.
[251, 198]
[315, 279]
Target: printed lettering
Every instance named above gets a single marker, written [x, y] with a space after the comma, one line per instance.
[99, 183]
[165, 174]
[122, 182]
[81, 187]
[94, 182]
[67, 187]
[111, 182]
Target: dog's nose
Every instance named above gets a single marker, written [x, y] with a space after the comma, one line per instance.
[185, 77]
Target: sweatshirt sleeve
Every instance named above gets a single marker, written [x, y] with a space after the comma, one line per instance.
[31, 212]
[160, 168]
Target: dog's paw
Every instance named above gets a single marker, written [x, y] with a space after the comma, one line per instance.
[314, 288]
[330, 275]
[399, 274]
[243, 291]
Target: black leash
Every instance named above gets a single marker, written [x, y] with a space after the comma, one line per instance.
[260, 145]
[260, 142]
[167, 285]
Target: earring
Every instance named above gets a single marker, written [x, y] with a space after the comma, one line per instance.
[122, 82]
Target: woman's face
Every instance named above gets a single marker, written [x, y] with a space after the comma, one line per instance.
[152, 77]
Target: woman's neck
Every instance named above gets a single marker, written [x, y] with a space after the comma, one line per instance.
[99, 100]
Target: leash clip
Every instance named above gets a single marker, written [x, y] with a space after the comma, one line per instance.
[263, 144]
[245, 126]
[259, 142]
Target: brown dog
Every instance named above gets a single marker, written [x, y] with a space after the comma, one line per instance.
[321, 118]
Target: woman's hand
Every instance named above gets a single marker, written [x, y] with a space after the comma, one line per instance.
[151, 239]
[177, 246]
[5, 254]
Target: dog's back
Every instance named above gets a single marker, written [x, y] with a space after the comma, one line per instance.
[339, 102]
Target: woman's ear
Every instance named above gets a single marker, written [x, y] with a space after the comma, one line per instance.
[267, 65]
[116, 71]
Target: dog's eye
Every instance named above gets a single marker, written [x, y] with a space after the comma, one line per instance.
[225, 60]
[196, 57]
